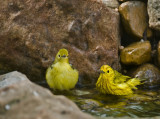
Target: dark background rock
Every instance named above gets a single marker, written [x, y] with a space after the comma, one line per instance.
[32, 32]
[150, 73]
[158, 52]
[153, 12]
[133, 0]
[135, 18]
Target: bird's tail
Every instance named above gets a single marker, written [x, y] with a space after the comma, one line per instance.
[134, 82]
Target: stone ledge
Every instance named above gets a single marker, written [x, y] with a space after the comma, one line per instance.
[22, 99]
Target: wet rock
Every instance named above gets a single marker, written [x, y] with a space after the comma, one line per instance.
[116, 105]
[136, 53]
[134, 18]
[137, 97]
[158, 49]
[153, 12]
[148, 93]
[150, 73]
[22, 99]
[32, 32]
[157, 102]
[89, 104]
[81, 92]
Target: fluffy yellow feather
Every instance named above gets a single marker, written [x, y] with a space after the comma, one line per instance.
[112, 82]
[60, 75]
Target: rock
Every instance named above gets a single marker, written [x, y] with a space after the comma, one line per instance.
[136, 53]
[153, 12]
[132, 0]
[86, 104]
[12, 78]
[139, 98]
[134, 18]
[80, 92]
[22, 99]
[148, 93]
[158, 49]
[110, 3]
[157, 102]
[150, 73]
[32, 32]
[123, 0]
[116, 105]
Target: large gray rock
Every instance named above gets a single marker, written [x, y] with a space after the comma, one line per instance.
[21, 99]
[154, 14]
[32, 32]
[12, 78]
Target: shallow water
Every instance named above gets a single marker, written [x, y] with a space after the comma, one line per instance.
[144, 103]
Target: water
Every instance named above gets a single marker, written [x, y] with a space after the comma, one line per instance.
[144, 103]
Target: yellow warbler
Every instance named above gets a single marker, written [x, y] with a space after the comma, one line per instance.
[60, 75]
[112, 82]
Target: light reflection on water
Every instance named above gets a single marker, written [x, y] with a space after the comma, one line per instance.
[141, 104]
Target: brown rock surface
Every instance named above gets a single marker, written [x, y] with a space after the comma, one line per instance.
[31, 33]
[132, 0]
[110, 3]
[123, 0]
[134, 18]
[136, 53]
[150, 73]
[22, 99]
[158, 49]
[153, 12]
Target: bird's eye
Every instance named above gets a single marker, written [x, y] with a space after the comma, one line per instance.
[59, 56]
[108, 71]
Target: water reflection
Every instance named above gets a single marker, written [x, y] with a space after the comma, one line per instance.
[141, 104]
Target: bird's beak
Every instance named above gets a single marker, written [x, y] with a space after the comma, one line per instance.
[63, 56]
[101, 71]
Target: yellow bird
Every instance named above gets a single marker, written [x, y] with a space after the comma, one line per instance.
[60, 75]
[112, 82]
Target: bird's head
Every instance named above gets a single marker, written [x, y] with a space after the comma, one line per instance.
[62, 56]
[107, 70]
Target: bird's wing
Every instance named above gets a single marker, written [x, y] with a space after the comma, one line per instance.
[50, 74]
[119, 78]
[72, 66]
